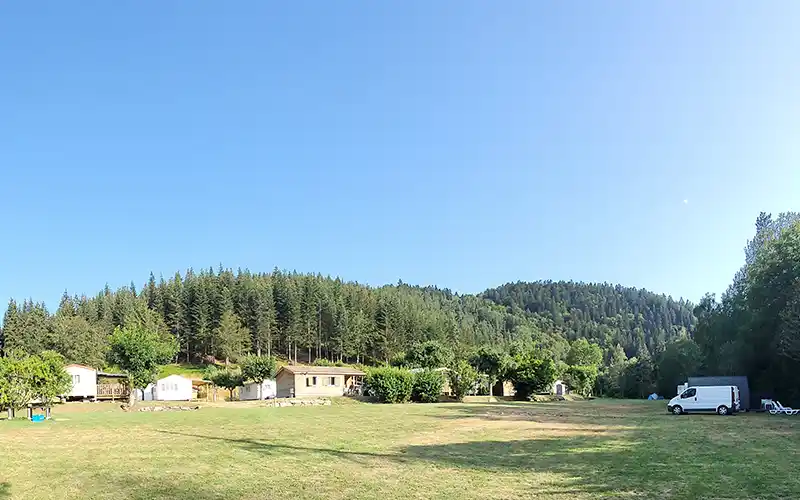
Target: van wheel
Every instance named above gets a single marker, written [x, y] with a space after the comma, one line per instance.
[722, 410]
[677, 410]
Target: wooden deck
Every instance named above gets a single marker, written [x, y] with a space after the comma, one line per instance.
[112, 391]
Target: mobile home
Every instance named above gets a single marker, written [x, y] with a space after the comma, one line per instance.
[84, 382]
[172, 388]
[250, 391]
[299, 381]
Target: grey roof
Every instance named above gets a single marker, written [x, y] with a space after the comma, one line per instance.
[321, 370]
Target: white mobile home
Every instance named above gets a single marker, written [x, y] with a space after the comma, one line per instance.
[249, 391]
[84, 382]
[172, 388]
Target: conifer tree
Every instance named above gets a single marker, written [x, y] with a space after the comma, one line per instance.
[231, 338]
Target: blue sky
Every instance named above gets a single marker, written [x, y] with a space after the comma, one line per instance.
[457, 143]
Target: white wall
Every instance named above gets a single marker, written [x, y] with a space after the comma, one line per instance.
[145, 394]
[84, 381]
[564, 387]
[250, 391]
[173, 388]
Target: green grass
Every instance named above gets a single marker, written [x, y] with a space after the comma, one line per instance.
[567, 450]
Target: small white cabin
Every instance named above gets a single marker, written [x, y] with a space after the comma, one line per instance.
[560, 388]
[172, 388]
[147, 393]
[84, 382]
[249, 391]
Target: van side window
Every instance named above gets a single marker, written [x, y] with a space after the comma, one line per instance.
[689, 393]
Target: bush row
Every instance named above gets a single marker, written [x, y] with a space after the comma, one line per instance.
[396, 385]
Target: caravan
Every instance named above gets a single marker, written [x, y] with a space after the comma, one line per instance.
[722, 399]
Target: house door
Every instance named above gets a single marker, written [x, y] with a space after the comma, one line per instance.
[559, 390]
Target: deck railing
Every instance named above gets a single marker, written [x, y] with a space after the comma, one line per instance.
[112, 391]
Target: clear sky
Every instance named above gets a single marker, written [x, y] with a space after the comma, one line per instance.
[457, 143]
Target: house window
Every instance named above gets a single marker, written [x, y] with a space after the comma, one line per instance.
[311, 381]
[76, 379]
[332, 382]
[163, 387]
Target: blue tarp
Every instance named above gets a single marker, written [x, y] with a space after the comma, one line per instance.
[654, 396]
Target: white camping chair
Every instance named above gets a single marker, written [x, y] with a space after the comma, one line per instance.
[778, 408]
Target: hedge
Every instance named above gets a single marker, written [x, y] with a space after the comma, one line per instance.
[427, 386]
[390, 385]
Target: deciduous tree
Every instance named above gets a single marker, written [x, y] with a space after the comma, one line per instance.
[258, 369]
[140, 353]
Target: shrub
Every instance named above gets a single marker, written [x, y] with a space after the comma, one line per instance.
[322, 362]
[390, 385]
[427, 386]
[532, 374]
[462, 379]
[224, 378]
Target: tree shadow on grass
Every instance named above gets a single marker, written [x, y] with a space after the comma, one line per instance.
[5, 490]
[597, 464]
[585, 464]
[152, 488]
[264, 447]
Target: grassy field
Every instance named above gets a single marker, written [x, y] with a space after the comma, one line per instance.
[572, 450]
[186, 370]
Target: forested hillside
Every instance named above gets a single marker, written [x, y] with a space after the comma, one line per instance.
[644, 342]
[223, 314]
[640, 321]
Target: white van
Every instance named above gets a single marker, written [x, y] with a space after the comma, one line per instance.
[723, 399]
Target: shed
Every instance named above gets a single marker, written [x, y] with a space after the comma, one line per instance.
[84, 382]
[146, 394]
[740, 382]
[298, 380]
[560, 388]
[172, 388]
[250, 391]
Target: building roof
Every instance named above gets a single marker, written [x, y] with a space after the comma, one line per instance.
[75, 365]
[266, 382]
[321, 370]
[174, 376]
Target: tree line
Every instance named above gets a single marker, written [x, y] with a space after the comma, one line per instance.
[224, 314]
[647, 342]
[754, 329]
